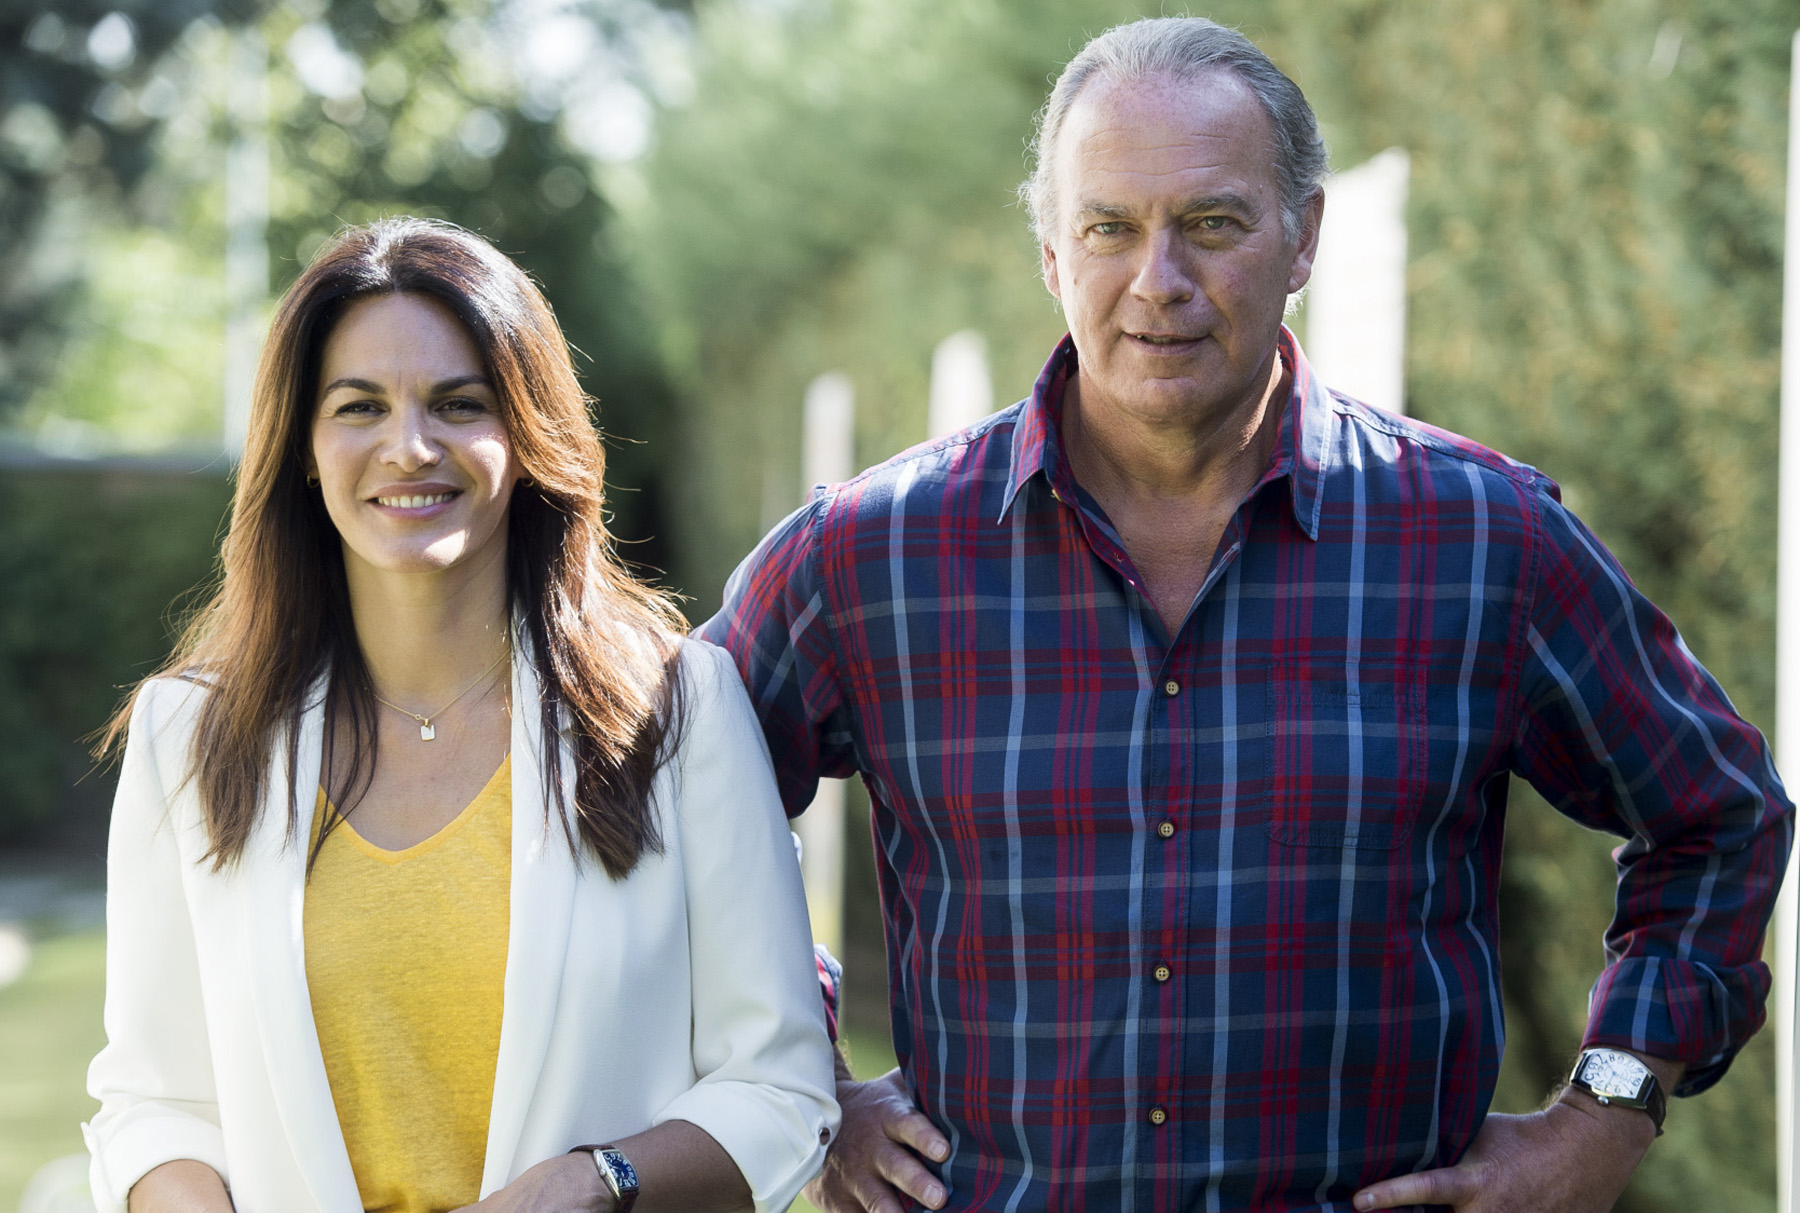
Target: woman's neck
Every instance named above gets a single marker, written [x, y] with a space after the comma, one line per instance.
[426, 636]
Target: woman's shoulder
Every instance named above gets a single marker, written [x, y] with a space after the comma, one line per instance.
[168, 702]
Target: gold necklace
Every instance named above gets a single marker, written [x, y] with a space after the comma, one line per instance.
[427, 730]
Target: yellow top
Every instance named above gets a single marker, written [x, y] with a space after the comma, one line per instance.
[405, 961]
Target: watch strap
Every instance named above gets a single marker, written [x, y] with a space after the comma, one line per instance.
[616, 1172]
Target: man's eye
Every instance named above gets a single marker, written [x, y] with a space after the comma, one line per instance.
[1215, 223]
[1112, 227]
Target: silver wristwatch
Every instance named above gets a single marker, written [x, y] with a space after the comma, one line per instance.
[1613, 1076]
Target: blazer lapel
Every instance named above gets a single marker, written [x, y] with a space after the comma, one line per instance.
[542, 901]
[274, 883]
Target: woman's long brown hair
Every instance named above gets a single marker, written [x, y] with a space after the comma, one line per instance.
[602, 642]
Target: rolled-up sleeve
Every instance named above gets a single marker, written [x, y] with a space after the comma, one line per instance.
[1624, 731]
[154, 1077]
[765, 1091]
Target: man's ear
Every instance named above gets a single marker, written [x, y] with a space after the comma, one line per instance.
[1311, 216]
[1048, 256]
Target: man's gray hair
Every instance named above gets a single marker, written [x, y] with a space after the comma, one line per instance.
[1183, 48]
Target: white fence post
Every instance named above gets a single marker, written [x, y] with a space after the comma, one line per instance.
[828, 455]
[1356, 301]
[246, 229]
[962, 391]
[1787, 652]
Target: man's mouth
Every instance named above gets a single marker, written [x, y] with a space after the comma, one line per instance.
[1162, 338]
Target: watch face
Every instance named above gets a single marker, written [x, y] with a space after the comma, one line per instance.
[1613, 1074]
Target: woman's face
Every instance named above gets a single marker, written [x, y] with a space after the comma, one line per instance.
[412, 457]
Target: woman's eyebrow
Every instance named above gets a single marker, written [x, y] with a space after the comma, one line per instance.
[359, 385]
[375, 389]
[450, 385]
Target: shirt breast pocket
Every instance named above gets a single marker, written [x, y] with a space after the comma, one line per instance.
[1346, 757]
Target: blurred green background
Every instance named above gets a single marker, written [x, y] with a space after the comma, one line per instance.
[725, 199]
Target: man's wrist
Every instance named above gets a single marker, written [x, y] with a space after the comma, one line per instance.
[1629, 1123]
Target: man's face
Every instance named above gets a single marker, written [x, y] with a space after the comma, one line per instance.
[1168, 251]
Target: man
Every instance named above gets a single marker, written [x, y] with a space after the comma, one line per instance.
[1187, 694]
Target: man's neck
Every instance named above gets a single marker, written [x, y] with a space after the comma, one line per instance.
[1211, 459]
[1171, 489]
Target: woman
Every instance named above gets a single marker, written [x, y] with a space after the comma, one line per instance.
[437, 853]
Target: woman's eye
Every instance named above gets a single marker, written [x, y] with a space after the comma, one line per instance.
[356, 408]
[463, 406]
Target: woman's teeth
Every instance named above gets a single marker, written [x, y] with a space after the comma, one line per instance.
[414, 503]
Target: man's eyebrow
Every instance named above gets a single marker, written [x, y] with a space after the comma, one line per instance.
[1231, 203]
[1236, 204]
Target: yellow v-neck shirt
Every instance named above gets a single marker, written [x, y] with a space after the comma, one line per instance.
[406, 962]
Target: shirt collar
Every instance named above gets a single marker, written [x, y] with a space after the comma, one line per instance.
[1301, 449]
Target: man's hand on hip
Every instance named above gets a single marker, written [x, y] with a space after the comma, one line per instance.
[873, 1166]
[1575, 1156]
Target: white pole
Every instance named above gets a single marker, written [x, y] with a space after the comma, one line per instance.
[1356, 301]
[828, 456]
[246, 229]
[962, 392]
[1787, 652]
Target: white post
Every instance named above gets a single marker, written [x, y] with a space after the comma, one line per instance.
[246, 229]
[962, 392]
[828, 455]
[1787, 654]
[1356, 301]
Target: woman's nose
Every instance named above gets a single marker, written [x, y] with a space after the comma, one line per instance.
[411, 445]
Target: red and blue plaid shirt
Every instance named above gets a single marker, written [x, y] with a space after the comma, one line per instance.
[1207, 920]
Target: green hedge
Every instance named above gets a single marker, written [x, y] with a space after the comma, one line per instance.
[93, 564]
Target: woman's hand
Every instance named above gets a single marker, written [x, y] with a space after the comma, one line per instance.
[569, 1183]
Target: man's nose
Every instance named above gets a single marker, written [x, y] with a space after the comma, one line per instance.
[1164, 274]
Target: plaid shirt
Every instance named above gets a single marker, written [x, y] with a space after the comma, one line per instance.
[1207, 920]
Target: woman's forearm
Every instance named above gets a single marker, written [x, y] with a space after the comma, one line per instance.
[680, 1167]
[184, 1186]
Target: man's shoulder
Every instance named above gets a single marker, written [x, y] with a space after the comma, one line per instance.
[958, 473]
[1392, 446]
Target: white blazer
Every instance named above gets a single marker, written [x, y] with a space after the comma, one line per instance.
[686, 991]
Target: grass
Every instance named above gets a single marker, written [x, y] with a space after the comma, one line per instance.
[49, 1030]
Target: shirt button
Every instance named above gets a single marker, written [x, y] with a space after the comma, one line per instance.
[1157, 1116]
[1171, 688]
[1166, 830]
[1161, 973]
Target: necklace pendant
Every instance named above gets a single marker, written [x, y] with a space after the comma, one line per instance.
[427, 732]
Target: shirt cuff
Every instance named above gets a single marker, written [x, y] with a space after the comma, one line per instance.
[831, 985]
[1678, 1010]
[777, 1143]
[131, 1150]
